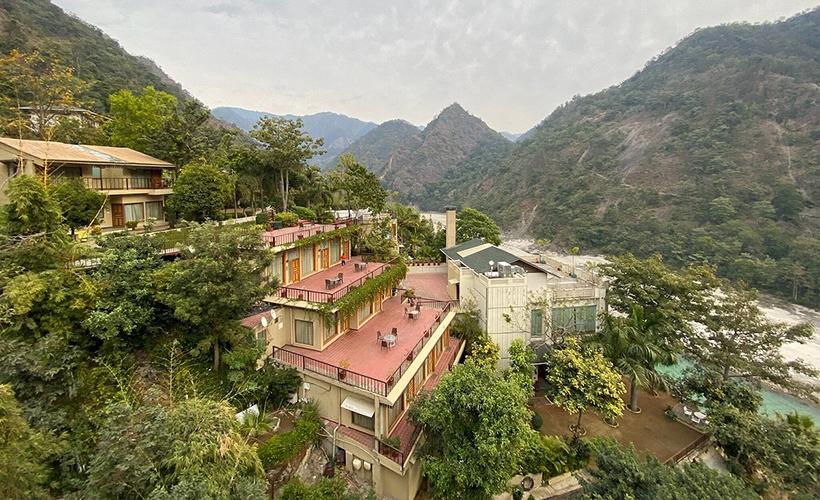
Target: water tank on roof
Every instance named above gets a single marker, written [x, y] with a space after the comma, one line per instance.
[504, 270]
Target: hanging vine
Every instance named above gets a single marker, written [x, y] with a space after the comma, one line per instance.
[342, 232]
[356, 297]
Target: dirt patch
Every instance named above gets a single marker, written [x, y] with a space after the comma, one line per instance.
[651, 431]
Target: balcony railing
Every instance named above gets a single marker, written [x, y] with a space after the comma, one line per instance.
[395, 454]
[276, 240]
[297, 293]
[126, 183]
[349, 377]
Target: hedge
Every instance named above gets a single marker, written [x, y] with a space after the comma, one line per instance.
[282, 448]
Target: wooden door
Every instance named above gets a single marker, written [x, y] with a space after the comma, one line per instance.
[325, 258]
[156, 178]
[295, 271]
[117, 215]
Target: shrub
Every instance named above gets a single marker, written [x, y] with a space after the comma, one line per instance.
[287, 218]
[304, 213]
[284, 447]
[131, 224]
[392, 441]
[262, 218]
[248, 212]
[537, 421]
[517, 493]
[324, 216]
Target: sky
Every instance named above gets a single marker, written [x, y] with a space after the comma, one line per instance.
[508, 62]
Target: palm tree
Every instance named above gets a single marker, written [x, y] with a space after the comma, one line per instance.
[634, 348]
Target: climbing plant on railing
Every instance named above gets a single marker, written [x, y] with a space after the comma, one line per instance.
[355, 297]
[342, 232]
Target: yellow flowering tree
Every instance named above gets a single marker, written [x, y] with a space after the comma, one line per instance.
[580, 379]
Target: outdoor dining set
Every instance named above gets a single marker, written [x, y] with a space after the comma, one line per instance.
[388, 341]
[334, 281]
[696, 416]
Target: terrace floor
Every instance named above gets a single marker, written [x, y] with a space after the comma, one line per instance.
[315, 283]
[287, 235]
[650, 431]
[428, 285]
[361, 349]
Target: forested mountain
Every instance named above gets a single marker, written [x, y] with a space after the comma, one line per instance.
[38, 24]
[413, 162]
[711, 152]
[338, 131]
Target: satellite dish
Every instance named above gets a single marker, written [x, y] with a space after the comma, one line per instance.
[264, 321]
[492, 263]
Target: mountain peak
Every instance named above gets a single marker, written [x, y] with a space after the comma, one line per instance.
[454, 109]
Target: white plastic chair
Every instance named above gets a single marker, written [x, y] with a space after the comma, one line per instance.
[687, 411]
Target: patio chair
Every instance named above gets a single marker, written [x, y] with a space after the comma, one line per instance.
[395, 331]
[695, 420]
[340, 276]
[385, 344]
[378, 334]
[687, 411]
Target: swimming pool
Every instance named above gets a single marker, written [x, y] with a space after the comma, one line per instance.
[773, 402]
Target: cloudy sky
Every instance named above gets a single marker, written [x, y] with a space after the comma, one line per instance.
[509, 63]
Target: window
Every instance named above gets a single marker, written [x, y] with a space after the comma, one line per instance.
[134, 211]
[307, 260]
[330, 331]
[12, 169]
[262, 338]
[536, 322]
[154, 209]
[362, 421]
[574, 319]
[276, 267]
[96, 172]
[365, 311]
[585, 318]
[304, 332]
[334, 250]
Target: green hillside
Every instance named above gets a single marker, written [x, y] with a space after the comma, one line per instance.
[711, 152]
[38, 24]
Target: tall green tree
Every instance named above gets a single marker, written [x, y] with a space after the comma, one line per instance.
[79, 205]
[24, 452]
[471, 223]
[200, 193]
[214, 284]
[635, 350]
[360, 187]
[288, 149]
[740, 342]
[476, 426]
[581, 379]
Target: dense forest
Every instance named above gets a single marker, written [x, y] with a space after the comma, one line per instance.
[39, 24]
[710, 153]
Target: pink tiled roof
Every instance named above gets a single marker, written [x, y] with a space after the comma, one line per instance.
[361, 349]
[253, 320]
[428, 285]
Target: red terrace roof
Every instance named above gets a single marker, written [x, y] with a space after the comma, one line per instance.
[252, 321]
[313, 287]
[288, 235]
[361, 349]
[428, 285]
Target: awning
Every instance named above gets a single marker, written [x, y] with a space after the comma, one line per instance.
[453, 281]
[360, 406]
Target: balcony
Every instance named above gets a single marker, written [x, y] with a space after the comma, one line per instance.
[368, 366]
[314, 289]
[288, 235]
[126, 183]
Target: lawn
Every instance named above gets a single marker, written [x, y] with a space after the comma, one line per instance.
[650, 431]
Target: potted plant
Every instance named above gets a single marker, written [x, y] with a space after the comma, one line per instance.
[410, 356]
[132, 225]
[343, 365]
[393, 445]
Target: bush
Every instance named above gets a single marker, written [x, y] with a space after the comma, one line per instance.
[270, 386]
[248, 212]
[282, 448]
[517, 493]
[323, 489]
[304, 213]
[262, 218]
[131, 224]
[325, 216]
[537, 421]
[287, 218]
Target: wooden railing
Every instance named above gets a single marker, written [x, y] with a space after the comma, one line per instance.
[397, 455]
[314, 229]
[125, 183]
[329, 296]
[343, 375]
[694, 445]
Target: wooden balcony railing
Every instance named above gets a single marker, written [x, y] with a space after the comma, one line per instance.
[399, 456]
[126, 183]
[334, 372]
[405, 365]
[330, 296]
[276, 240]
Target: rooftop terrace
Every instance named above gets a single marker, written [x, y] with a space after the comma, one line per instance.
[369, 366]
[287, 235]
[314, 289]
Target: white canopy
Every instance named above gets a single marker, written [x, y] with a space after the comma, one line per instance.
[360, 406]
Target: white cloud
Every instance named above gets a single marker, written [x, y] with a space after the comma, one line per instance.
[509, 63]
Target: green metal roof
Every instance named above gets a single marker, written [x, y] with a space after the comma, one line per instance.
[476, 258]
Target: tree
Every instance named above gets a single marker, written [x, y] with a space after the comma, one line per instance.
[471, 224]
[334, 488]
[669, 300]
[782, 454]
[721, 209]
[360, 186]
[787, 202]
[288, 148]
[43, 84]
[521, 369]
[740, 342]
[416, 234]
[214, 284]
[79, 205]
[633, 348]
[476, 426]
[31, 209]
[23, 452]
[190, 448]
[581, 379]
[620, 473]
[200, 193]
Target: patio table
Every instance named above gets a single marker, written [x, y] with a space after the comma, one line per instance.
[390, 339]
[699, 415]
